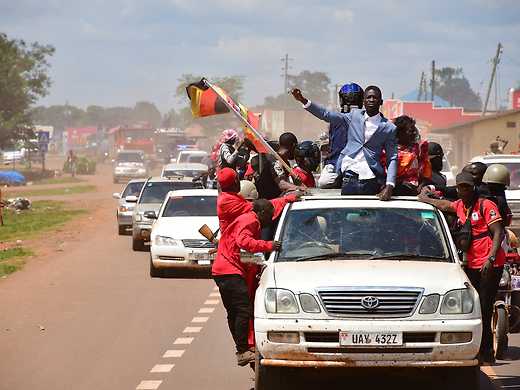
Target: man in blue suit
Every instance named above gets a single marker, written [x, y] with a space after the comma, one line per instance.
[368, 134]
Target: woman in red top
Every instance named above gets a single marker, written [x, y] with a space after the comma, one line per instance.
[413, 163]
[485, 257]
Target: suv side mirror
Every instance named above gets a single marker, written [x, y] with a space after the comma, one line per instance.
[116, 195]
[150, 214]
[131, 199]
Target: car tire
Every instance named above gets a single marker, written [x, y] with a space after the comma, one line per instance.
[121, 229]
[267, 378]
[500, 332]
[155, 272]
[138, 245]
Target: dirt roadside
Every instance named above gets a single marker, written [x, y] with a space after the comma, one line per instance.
[99, 206]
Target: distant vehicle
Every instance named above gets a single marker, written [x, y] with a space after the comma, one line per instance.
[175, 238]
[150, 199]
[447, 171]
[184, 169]
[191, 156]
[136, 137]
[129, 164]
[512, 163]
[12, 156]
[127, 200]
[364, 283]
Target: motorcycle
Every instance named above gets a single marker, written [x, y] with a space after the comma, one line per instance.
[506, 315]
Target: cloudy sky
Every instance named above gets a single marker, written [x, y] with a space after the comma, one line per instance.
[116, 52]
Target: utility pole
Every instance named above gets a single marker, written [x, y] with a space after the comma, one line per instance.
[421, 88]
[285, 75]
[433, 81]
[496, 60]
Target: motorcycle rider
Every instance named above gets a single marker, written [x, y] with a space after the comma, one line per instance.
[307, 156]
[350, 97]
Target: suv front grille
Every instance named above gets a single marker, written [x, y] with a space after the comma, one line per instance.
[386, 302]
[198, 244]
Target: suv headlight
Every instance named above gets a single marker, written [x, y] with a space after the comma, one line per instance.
[430, 304]
[138, 217]
[458, 302]
[309, 304]
[166, 241]
[141, 170]
[280, 301]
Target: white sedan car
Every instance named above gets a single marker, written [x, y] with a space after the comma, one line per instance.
[175, 238]
[364, 283]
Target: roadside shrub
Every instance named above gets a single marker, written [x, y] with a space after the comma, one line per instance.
[84, 166]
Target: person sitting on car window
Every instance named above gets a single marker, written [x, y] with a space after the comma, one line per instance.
[413, 164]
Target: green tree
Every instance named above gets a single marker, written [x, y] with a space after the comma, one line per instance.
[23, 80]
[147, 112]
[314, 85]
[454, 87]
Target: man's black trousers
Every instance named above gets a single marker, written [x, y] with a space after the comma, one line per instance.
[487, 291]
[233, 291]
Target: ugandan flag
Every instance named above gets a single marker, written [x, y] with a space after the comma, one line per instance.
[205, 101]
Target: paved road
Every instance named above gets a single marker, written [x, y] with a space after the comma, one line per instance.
[91, 318]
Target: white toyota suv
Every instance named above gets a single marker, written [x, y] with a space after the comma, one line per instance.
[512, 163]
[364, 283]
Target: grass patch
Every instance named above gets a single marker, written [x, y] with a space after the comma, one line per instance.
[52, 191]
[11, 260]
[59, 180]
[43, 216]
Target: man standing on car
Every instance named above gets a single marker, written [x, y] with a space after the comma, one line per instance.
[485, 256]
[229, 272]
[369, 133]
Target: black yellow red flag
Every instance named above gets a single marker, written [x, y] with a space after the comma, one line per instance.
[204, 100]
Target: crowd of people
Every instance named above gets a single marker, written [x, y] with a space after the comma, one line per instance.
[363, 153]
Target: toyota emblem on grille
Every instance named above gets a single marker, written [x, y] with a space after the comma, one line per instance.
[369, 302]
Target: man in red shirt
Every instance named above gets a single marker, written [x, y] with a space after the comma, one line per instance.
[229, 272]
[485, 257]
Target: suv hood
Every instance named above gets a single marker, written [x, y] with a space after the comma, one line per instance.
[307, 276]
[183, 227]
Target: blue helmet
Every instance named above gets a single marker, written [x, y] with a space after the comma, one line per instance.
[350, 94]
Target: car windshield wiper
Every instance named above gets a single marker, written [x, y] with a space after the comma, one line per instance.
[407, 256]
[334, 255]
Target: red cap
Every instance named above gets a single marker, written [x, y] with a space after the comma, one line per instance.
[226, 178]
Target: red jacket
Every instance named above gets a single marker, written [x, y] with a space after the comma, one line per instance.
[231, 205]
[243, 233]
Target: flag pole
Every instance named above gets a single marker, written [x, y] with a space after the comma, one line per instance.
[235, 110]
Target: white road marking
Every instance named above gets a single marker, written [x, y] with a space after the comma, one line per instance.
[192, 329]
[183, 341]
[173, 353]
[206, 310]
[162, 368]
[212, 302]
[200, 320]
[215, 294]
[148, 385]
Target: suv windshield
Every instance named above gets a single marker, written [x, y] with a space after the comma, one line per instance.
[354, 233]
[191, 206]
[133, 189]
[130, 157]
[155, 192]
